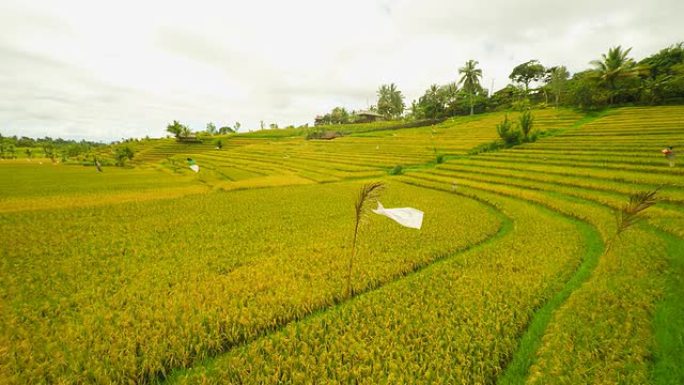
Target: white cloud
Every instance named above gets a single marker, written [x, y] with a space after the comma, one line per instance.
[106, 70]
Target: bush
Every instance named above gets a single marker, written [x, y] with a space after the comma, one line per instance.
[487, 147]
[397, 170]
[509, 135]
[324, 135]
[526, 121]
[521, 104]
[121, 154]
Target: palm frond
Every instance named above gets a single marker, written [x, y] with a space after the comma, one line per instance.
[598, 64]
[633, 212]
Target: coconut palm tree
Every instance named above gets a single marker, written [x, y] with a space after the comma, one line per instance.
[432, 103]
[470, 80]
[390, 100]
[175, 128]
[613, 66]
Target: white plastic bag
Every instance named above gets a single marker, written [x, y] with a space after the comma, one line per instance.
[405, 216]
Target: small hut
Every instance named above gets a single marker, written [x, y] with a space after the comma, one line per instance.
[368, 117]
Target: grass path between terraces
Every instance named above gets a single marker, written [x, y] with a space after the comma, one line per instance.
[668, 321]
[517, 370]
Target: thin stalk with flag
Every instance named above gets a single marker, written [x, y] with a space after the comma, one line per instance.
[369, 193]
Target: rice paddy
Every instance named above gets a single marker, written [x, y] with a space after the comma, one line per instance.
[155, 274]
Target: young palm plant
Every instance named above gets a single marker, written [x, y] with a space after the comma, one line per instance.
[368, 195]
[633, 212]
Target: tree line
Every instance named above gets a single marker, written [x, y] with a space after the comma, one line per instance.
[181, 131]
[613, 79]
[65, 150]
[12, 147]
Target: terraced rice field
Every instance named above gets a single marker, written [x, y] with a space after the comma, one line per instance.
[237, 274]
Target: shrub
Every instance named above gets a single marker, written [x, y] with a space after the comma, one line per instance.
[486, 147]
[121, 154]
[324, 135]
[509, 135]
[526, 121]
[397, 170]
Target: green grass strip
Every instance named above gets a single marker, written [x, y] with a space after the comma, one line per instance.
[517, 370]
[668, 321]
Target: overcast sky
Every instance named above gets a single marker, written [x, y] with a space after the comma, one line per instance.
[106, 70]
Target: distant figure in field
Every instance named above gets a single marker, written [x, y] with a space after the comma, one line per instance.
[670, 155]
[97, 164]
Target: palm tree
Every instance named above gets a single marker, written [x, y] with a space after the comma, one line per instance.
[613, 66]
[432, 103]
[175, 128]
[397, 100]
[449, 96]
[470, 80]
[185, 132]
[390, 100]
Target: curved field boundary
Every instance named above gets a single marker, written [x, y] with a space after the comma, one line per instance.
[666, 211]
[603, 196]
[603, 333]
[239, 317]
[225, 369]
[668, 334]
[518, 369]
[567, 205]
[504, 229]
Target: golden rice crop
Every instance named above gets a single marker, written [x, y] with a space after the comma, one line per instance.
[125, 293]
[129, 275]
[604, 331]
[455, 322]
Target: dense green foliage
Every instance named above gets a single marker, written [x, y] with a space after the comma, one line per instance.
[527, 72]
[13, 147]
[614, 79]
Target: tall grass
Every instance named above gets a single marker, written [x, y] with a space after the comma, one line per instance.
[368, 194]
